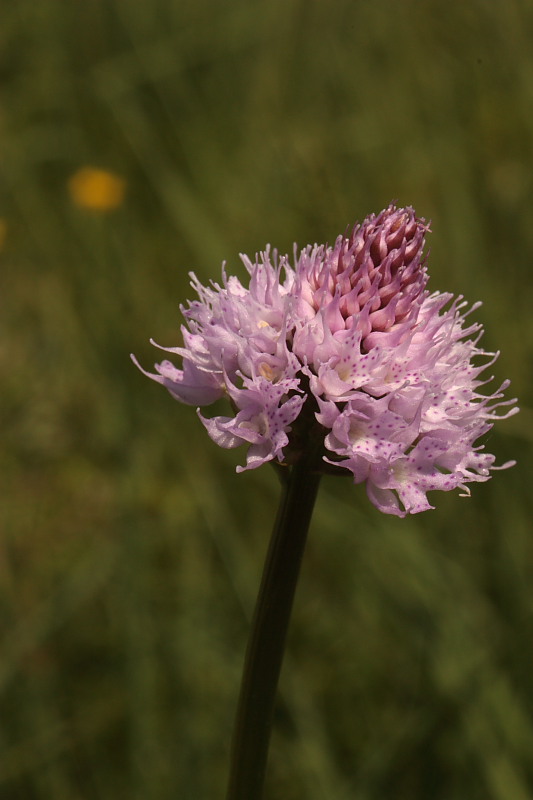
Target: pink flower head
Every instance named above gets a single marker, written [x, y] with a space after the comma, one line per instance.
[348, 345]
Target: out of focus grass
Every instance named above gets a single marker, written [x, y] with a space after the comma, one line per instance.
[130, 550]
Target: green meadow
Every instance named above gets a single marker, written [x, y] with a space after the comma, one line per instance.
[140, 141]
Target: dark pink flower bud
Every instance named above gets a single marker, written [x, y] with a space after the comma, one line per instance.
[374, 278]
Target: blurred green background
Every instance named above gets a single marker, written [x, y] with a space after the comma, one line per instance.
[142, 140]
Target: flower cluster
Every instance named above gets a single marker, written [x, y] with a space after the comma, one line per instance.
[346, 343]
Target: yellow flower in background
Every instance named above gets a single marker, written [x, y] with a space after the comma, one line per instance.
[96, 189]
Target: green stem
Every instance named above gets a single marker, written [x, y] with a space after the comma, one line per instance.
[269, 627]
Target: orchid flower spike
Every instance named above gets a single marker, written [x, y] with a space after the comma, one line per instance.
[345, 345]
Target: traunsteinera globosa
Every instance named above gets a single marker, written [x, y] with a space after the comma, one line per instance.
[345, 344]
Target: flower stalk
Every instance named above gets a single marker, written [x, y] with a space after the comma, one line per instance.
[269, 628]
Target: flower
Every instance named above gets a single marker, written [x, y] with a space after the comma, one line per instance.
[96, 189]
[347, 347]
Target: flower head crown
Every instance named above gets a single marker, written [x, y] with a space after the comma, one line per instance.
[348, 349]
